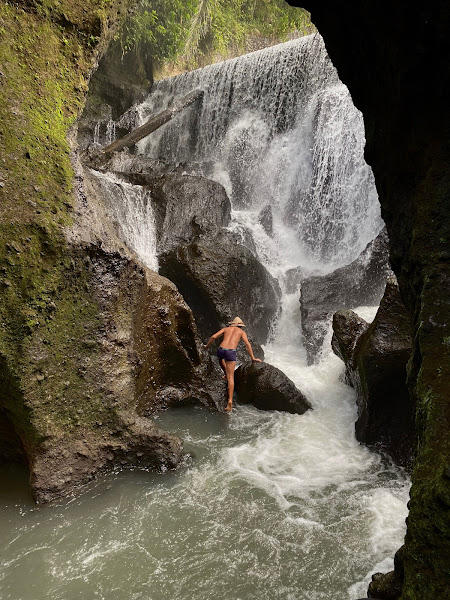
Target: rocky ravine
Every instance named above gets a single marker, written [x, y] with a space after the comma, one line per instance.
[399, 80]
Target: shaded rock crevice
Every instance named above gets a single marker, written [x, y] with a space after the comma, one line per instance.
[376, 356]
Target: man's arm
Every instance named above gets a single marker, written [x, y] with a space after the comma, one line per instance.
[249, 348]
[214, 337]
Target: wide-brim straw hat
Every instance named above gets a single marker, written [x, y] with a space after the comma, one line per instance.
[237, 322]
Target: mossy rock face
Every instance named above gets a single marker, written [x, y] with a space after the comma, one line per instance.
[403, 95]
[83, 323]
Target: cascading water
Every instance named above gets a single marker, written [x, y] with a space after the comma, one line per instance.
[130, 210]
[273, 505]
[278, 128]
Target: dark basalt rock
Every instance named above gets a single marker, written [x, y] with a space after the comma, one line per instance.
[361, 283]
[188, 208]
[220, 279]
[268, 388]
[376, 358]
[266, 219]
[388, 586]
[348, 328]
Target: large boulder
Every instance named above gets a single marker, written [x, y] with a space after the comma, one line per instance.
[376, 358]
[361, 283]
[268, 388]
[220, 279]
[188, 208]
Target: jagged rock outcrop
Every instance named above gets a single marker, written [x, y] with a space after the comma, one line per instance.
[220, 279]
[123, 77]
[407, 130]
[347, 329]
[376, 357]
[265, 217]
[388, 586]
[268, 388]
[361, 283]
[186, 207]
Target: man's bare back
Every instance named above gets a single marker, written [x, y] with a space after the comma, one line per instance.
[232, 336]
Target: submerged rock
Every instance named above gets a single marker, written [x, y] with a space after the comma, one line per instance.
[221, 279]
[361, 283]
[268, 388]
[265, 217]
[376, 358]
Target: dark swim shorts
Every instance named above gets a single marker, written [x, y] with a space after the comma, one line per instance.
[226, 353]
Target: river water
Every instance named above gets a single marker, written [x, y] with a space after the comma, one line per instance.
[268, 505]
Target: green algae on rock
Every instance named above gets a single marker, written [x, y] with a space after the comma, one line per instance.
[71, 341]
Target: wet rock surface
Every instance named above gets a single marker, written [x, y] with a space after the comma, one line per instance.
[388, 586]
[268, 388]
[376, 358]
[347, 328]
[221, 279]
[361, 283]
[188, 208]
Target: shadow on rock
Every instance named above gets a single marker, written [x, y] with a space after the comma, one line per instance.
[268, 388]
[375, 357]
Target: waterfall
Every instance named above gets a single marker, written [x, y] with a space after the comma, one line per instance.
[277, 128]
[130, 210]
[273, 505]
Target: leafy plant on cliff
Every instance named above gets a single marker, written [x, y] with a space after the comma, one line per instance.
[186, 32]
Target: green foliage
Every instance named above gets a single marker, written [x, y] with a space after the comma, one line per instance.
[184, 32]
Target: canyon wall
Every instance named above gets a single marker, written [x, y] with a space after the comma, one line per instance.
[91, 341]
[394, 59]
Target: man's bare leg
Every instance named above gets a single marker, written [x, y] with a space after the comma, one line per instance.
[222, 366]
[230, 380]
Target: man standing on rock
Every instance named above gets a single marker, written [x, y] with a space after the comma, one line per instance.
[232, 335]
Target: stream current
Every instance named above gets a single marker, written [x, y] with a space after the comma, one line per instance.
[270, 505]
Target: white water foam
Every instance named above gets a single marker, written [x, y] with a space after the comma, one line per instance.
[277, 128]
[130, 209]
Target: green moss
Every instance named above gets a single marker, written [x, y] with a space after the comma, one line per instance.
[47, 50]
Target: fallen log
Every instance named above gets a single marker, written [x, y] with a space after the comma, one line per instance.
[153, 124]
